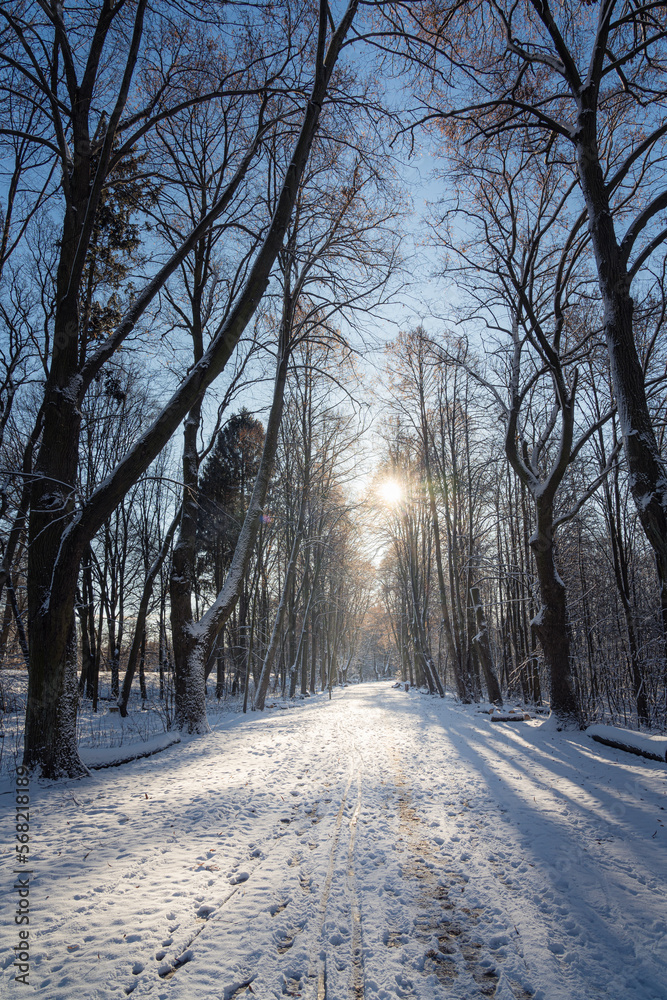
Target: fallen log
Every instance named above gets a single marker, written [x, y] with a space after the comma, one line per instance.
[511, 718]
[641, 744]
[96, 759]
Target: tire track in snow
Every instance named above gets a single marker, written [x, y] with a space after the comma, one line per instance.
[357, 983]
[340, 877]
[445, 921]
[320, 971]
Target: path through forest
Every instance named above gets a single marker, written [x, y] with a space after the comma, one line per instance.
[381, 845]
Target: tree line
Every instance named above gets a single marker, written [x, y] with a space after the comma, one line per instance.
[197, 193]
[471, 556]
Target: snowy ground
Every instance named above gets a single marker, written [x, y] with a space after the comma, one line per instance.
[380, 845]
[104, 729]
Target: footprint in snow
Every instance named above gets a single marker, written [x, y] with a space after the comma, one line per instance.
[285, 939]
[292, 987]
[394, 939]
[405, 987]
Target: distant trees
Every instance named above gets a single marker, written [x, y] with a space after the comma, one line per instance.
[526, 281]
[433, 399]
[497, 528]
[318, 600]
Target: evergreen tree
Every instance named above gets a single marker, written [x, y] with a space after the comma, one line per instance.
[225, 486]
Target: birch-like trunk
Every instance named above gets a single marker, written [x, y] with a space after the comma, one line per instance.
[196, 640]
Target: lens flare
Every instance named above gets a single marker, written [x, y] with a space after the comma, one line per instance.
[391, 492]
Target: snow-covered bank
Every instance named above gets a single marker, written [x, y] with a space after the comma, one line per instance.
[104, 730]
[643, 744]
[115, 756]
[383, 845]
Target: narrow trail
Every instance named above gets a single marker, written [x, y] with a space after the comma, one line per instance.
[382, 845]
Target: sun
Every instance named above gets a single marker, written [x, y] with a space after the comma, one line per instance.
[390, 492]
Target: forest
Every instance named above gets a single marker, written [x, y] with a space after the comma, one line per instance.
[333, 348]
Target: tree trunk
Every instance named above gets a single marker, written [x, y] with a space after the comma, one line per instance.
[484, 647]
[142, 668]
[20, 631]
[189, 661]
[648, 476]
[620, 566]
[551, 624]
[85, 678]
[462, 688]
[313, 654]
[4, 630]
[220, 672]
[50, 725]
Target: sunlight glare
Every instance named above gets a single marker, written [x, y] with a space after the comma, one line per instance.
[391, 492]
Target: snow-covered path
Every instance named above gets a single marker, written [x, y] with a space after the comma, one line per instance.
[380, 845]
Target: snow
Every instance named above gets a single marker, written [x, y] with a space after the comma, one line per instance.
[382, 845]
[643, 743]
[115, 756]
[538, 620]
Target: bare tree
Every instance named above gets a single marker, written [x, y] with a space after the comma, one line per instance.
[527, 279]
[585, 86]
[90, 142]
